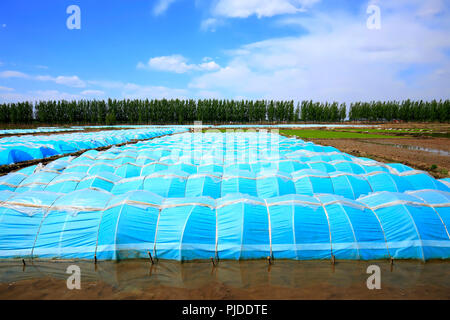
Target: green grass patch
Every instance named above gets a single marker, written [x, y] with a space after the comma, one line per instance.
[329, 134]
[214, 130]
[393, 131]
[439, 132]
[319, 134]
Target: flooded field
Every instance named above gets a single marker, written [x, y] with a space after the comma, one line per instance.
[418, 148]
[425, 145]
[139, 279]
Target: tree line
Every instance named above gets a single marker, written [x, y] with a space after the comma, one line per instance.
[177, 111]
[407, 110]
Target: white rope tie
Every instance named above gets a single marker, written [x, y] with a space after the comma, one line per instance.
[156, 233]
[270, 229]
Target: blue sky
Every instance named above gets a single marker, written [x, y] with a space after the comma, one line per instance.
[255, 49]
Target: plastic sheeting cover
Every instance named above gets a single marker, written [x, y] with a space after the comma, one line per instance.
[163, 197]
[23, 148]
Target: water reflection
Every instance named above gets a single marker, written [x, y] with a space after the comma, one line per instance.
[417, 148]
[131, 275]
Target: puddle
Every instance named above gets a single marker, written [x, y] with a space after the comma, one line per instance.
[417, 148]
[412, 147]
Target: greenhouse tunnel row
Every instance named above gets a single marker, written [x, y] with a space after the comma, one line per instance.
[179, 184]
[195, 196]
[89, 223]
[17, 149]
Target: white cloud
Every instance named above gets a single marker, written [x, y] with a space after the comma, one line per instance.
[97, 93]
[210, 24]
[173, 63]
[70, 81]
[208, 66]
[162, 6]
[106, 84]
[13, 74]
[431, 8]
[6, 89]
[113, 89]
[38, 95]
[132, 90]
[260, 8]
[176, 63]
[54, 95]
[205, 94]
[340, 59]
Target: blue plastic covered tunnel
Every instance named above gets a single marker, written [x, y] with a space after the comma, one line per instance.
[158, 197]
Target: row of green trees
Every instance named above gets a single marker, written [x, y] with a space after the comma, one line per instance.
[216, 111]
[407, 110]
[18, 113]
[323, 112]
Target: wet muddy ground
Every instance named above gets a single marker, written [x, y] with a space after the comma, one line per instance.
[138, 279]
